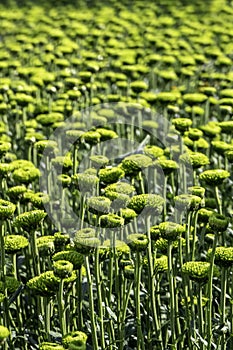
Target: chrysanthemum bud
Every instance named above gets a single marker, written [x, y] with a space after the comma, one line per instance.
[62, 268]
[77, 340]
[214, 177]
[111, 221]
[26, 174]
[110, 175]
[223, 256]
[196, 159]
[197, 270]
[147, 201]
[4, 333]
[45, 245]
[171, 230]
[197, 191]
[182, 124]
[135, 163]
[14, 243]
[187, 202]
[99, 204]
[85, 182]
[7, 209]
[161, 264]
[167, 165]
[85, 241]
[137, 242]
[99, 161]
[153, 151]
[30, 219]
[218, 222]
[72, 256]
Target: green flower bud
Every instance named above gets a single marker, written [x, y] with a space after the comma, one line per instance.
[194, 98]
[196, 159]
[128, 214]
[76, 338]
[39, 199]
[196, 110]
[121, 248]
[46, 146]
[226, 126]
[63, 163]
[223, 256]
[197, 191]
[11, 285]
[72, 256]
[106, 134]
[15, 193]
[161, 244]
[4, 333]
[111, 221]
[85, 241]
[119, 187]
[99, 204]
[46, 284]
[229, 155]
[62, 268]
[221, 147]
[99, 161]
[148, 201]
[119, 200]
[45, 245]
[137, 242]
[218, 222]
[194, 134]
[161, 264]
[167, 165]
[111, 174]
[167, 97]
[155, 232]
[64, 179]
[197, 270]
[26, 175]
[211, 129]
[4, 147]
[50, 118]
[135, 163]
[90, 137]
[214, 177]
[138, 86]
[182, 124]
[129, 272]
[204, 215]
[30, 219]
[85, 182]
[14, 243]
[61, 240]
[74, 136]
[171, 230]
[153, 151]
[5, 169]
[187, 202]
[7, 209]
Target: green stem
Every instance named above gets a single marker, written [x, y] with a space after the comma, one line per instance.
[61, 307]
[91, 304]
[210, 294]
[99, 297]
[170, 276]
[218, 200]
[138, 270]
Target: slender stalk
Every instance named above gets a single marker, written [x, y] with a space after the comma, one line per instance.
[210, 294]
[99, 297]
[91, 304]
[218, 200]
[170, 275]
[61, 307]
[138, 270]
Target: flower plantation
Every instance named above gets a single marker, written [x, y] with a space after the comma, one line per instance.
[116, 159]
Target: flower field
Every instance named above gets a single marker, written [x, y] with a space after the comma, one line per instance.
[116, 173]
